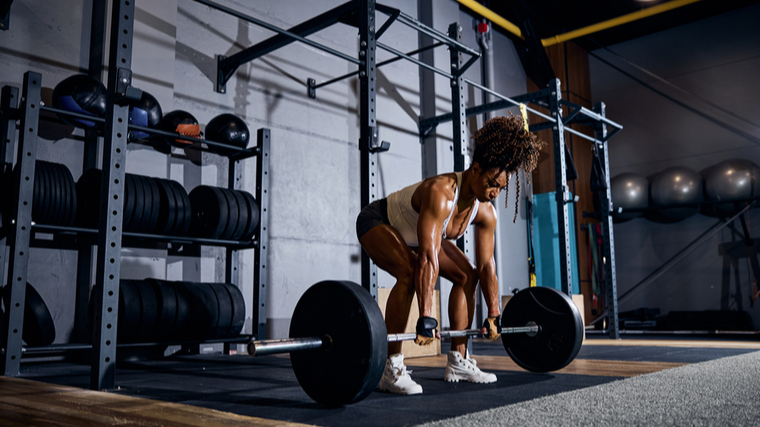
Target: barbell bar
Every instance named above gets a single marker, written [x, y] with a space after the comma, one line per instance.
[343, 326]
[288, 345]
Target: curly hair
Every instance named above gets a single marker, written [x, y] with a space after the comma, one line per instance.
[504, 144]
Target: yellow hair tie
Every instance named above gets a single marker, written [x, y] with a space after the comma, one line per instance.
[524, 113]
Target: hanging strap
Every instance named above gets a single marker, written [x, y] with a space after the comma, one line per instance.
[598, 177]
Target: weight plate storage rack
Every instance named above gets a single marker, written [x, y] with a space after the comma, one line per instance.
[20, 232]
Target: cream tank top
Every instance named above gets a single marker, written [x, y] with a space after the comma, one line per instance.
[403, 217]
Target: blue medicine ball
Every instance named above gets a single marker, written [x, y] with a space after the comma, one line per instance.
[82, 94]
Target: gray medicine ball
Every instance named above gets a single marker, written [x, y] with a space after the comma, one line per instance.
[677, 185]
[730, 179]
[629, 191]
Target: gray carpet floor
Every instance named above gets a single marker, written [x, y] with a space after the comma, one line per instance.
[722, 392]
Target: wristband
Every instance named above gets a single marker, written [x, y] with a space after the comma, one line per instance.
[426, 326]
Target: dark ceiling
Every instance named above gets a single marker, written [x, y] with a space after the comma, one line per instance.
[552, 17]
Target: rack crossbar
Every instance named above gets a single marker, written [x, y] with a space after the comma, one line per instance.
[429, 31]
[590, 114]
[285, 37]
[416, 61]
[510, 100]
[379, 64]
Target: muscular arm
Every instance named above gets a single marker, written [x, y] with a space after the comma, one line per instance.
[434, 209]
[486, 267]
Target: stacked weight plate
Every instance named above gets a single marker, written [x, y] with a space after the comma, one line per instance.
[153, 310]
[151, 205]
[54, 201]
[39, 329]
[222, 213]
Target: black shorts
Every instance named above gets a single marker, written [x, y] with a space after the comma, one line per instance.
[374, 214]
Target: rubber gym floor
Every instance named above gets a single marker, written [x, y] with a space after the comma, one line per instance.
[217, 389]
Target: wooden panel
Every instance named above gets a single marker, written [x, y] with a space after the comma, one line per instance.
[26, 403]
[603, 368]
[409, 348]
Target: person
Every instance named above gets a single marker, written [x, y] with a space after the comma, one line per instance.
[411, 233]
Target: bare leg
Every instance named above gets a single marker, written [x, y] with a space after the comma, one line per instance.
[456, 267]
[387, 249]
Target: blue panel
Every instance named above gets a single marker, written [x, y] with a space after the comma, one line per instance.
[546, 242]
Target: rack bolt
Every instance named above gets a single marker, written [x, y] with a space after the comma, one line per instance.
[364, 44]
[362, 73]
[361, 53]
[371, 28]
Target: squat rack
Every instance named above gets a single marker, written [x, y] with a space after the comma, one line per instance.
[361, 14]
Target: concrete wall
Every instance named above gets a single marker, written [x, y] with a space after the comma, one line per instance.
[715, 59]
[314, 158]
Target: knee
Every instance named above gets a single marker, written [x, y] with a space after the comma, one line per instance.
[467, 280]
[405, 277]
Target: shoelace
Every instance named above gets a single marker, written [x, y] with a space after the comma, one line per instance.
[401, 372]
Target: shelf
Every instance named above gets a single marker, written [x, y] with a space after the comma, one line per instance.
[72, 237]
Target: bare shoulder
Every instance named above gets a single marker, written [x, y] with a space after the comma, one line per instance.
[436, 192]
[486, 216]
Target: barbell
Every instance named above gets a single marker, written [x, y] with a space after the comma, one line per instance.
[338, 340]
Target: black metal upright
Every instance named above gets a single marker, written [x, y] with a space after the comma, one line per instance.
[260, 277]
[112, 197]
[562, 191]
[610, 281]
[89, 160]
[368, 125]
[459, 124]
[232, 258]
[21, 223]
[8, 105]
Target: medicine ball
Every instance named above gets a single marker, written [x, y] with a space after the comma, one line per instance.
[674, 186]
[732, 179]
[181, 122]
[145, 112]
[82, 94]
[629, 191]
[227, 129]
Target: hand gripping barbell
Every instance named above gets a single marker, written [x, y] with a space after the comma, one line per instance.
[338, 341]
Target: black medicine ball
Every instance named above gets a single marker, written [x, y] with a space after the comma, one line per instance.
[82, 94]
[227, 129]
[145, 112]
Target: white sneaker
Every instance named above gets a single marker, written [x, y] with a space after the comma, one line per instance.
[459, 368]
[396, 378]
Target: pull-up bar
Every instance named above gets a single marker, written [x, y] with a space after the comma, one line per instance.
[428, 124]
